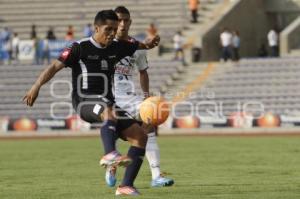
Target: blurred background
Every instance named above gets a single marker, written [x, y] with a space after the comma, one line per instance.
[227, 66]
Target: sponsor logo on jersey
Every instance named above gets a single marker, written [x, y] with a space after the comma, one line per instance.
[112, 56]
[93, 57]
[125, 70]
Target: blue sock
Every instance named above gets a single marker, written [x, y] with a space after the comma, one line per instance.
[137, 155]
[109, 136]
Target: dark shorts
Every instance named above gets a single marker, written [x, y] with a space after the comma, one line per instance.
[90, 110]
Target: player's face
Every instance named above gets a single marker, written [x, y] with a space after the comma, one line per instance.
[105, 33]
[124, 24]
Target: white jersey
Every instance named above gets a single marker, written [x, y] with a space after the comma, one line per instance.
[124, 90]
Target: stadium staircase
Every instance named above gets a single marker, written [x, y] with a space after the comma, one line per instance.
[209, 14]
[193, 33]
[272, 82]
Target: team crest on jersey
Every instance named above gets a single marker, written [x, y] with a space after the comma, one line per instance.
[120, 77]
[65, 54]
[104, 64]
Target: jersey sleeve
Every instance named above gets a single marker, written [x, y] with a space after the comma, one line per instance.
[141, 62]
[126, 48]
[70, 55]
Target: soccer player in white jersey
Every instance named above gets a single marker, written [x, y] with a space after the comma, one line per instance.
[128, 100]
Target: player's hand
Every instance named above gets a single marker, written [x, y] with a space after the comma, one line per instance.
[31, 95]
[152, 42]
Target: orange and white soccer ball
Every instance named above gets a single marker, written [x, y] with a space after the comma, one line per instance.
[154, 110]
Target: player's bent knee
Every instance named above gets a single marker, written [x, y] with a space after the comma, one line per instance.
[139, 139]
[136, 136]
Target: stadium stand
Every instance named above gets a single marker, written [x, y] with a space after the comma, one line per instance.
[56, 95]
[170, 15]
[271, 82]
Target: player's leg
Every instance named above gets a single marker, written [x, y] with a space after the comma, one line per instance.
[136, 136]
[109, 135]
[153, 157]
[125, 103]
[152, 148]
[108, 130]
[101, 112]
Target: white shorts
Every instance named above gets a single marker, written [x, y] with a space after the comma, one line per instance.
[131, 104]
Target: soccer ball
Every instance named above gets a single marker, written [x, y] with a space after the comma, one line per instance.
[154, 110]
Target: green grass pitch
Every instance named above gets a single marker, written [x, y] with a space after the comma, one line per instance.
[202, 167]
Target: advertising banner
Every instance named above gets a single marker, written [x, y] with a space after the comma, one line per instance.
[57, 46]
[26, 50]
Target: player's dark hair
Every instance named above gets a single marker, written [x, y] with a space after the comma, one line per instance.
[122, 10]
[104, 15]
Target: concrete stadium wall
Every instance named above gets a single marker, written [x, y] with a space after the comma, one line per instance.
[282, 5]
[282, 12]
[289, 37]
[250, 19]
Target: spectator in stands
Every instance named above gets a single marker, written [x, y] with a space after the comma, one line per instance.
[193, 5]
[46, 51]
[33, 34]
[70, 34]
[88, 30]
[273, 39]
[5, 34]
[179, 41]
[262, 51]
[225, 40]
[34, 38]
[50, 34]
[151, 31]
[15, 47]
[5, 37]
[236, 42]
[36, 42]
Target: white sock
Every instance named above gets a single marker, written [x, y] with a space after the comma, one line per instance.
[152, 154]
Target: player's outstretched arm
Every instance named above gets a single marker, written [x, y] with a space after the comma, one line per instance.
[149, 43]
[44, 77]
[144, 81]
